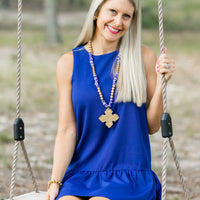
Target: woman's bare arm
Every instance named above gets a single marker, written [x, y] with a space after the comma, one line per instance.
[154, 85]
[66, 135]
[154, 91]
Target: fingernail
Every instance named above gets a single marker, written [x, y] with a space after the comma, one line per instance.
[165, 49]
[157, 62]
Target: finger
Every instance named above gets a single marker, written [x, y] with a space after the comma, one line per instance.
[157, 69]
[162, 65]
[160, 62]
[162, 56]
[164, 71]
[52, 197]
[166, 60]
[165, 50]
[168, 77]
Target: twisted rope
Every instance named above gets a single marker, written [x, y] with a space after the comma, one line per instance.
[164, 169]
[19, 33]
[186, 193]
[164, 162]
[14, 166]
[165, 142]
[29, 166]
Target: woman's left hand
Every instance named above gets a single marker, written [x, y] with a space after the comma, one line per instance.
[165, 65]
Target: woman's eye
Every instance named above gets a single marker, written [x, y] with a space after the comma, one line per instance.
[112, 10]
[127, 16]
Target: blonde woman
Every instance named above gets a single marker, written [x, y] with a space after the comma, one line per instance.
[110, 100]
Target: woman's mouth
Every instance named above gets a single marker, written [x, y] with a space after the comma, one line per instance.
[113, 30]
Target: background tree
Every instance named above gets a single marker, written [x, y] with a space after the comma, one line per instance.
[52, 33]
[5, 3]
[78, 2]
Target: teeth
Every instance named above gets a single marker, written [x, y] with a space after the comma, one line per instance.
[113, 29]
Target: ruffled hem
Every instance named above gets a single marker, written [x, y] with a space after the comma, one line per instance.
[115, 184]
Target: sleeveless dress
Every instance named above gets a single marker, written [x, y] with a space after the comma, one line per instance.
[110, 162]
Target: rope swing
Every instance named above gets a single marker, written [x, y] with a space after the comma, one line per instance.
[19, 124]
[166, 124]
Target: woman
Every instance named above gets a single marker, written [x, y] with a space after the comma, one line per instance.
[110, 99]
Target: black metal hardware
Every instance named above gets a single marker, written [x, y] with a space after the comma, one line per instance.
[18, 129]
[166, 125]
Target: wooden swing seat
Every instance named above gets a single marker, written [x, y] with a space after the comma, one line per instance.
[31, 196]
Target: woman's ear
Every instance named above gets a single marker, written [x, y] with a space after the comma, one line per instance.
[95, 18]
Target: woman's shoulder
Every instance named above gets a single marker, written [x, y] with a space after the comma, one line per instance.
[65, 65]
[149, 57]
[66, 59]
[148, 53]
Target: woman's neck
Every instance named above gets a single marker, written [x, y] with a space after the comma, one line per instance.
[101, 46]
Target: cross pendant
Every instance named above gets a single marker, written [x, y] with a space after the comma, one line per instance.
[109, 118]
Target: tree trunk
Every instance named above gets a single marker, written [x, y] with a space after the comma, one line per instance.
[76, 2]
[71, 2]
[52, 34]
[6, 4]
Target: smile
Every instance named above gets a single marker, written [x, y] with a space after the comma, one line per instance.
[113, 30]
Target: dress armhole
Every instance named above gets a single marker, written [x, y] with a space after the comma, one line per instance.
[74, 64]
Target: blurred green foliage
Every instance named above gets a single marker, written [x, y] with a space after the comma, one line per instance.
[5, 137]
[178, 15]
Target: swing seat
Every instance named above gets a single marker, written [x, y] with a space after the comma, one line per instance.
[31, 196]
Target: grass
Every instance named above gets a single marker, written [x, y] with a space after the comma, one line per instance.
[8, 39]
[178, 15]
[176, 198]
[186, 42]
[5, 162]
[5, 137]
[190, 131]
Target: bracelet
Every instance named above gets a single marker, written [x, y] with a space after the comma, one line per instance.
[53, 181]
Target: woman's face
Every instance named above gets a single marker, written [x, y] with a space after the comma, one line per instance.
[114, 19]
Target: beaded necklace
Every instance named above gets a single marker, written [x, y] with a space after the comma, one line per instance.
[108, 118]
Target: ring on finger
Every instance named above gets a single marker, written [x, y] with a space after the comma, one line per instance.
[167, 65]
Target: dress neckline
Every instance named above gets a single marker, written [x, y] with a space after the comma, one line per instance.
[106, 54]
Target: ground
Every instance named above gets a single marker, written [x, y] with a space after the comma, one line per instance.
[39, 109]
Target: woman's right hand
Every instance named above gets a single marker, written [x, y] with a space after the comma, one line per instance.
[52, 192]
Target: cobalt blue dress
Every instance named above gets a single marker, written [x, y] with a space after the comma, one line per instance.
[110, 162]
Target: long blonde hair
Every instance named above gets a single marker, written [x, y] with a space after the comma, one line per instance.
[131, 84]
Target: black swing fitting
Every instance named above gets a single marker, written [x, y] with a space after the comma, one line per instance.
[18, 129]
[166, 125]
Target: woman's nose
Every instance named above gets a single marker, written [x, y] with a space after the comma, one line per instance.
[118, 21]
